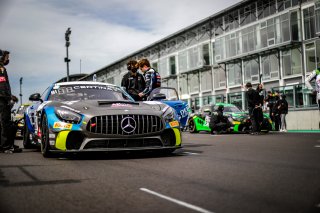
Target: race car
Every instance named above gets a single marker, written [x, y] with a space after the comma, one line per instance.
[169, 95]
[239, 121]
[91, 116]
[18, 117]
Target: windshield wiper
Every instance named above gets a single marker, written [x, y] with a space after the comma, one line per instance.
[104, 102]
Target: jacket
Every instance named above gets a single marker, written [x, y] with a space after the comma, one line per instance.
[5, 89]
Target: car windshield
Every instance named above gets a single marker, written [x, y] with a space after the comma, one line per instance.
[87, 92]
[170, 93]
[231, 109]
[22, 108]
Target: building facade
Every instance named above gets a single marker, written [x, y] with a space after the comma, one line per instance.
[274, 42]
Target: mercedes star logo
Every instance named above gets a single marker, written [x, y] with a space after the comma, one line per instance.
[128, 125]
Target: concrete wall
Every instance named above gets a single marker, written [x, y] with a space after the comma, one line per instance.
[303, 120]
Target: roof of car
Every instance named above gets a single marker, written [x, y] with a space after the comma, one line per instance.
[83, 82]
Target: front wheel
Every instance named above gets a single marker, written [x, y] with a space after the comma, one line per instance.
[26, 137]
[192, 127]
[45, 146]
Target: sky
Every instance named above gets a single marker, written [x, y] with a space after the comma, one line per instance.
[102, 32]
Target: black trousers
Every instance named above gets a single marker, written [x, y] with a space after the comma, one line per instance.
[5, 118]
[256, 117]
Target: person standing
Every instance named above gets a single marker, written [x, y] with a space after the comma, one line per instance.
[315, 75]
[283, 108]
[276, 112]
[133, 81]
[151, 76]
[7, 142]
[254, 107]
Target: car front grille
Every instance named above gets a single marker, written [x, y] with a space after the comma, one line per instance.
[125, 124]
[124, 143]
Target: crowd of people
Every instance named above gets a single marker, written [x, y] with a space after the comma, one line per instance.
[275, 103]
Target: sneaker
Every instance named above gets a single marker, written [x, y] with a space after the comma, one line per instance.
[8, 151]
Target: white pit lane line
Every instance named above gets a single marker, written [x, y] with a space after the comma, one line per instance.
[179, 202]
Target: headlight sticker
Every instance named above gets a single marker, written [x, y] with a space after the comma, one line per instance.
[62, 125]
[174, 123]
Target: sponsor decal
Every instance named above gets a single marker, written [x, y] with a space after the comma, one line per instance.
[62, 125]
[121, 105]
[174, 123]
[3, 79]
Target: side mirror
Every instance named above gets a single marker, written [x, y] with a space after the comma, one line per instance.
[158, 96]
[35, 97]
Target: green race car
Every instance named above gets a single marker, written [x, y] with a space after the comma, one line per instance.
[238, 120]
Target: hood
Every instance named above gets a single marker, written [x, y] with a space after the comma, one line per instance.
[239, 115]
[103, 107]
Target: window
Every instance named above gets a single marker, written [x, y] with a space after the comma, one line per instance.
[317, 12]
[234, 74]
[194, 83]
[309, 22]
[184, 84]
[219, 49]
[163, 67]
[155, 65]
[205, 55]
[183, 64]
[206, 80]
[270, 67]
[236, 99]
[218, 26]
[193, 58]
[285, 30]
[295, 35]
[172, 61]
[283, 4]
[219, 77]
[310, 57]
[251, 70]
[291, 62]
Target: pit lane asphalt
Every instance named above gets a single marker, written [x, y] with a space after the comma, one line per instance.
[276, 172]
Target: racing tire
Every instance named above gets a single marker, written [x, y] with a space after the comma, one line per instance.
[26, 137]
[192, 127]
[45, 145]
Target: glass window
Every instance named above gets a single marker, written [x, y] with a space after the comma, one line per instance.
[219, 77]
[291, 62]
[205, 54]
[218, 26]
[236, 99]
[251, 70]
[206, 80]
[219, 49]
[184, 84]
[155, 65]
[295, 35]
[317, 12]
[234, 74]
[163, 67]
[172, 65]
[285, 31]
[310, 57]
[270, 67]
[309, 22]
[194, 83]
[193, 58]
[183, 64]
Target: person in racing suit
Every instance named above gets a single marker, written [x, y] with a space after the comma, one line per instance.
[151, 76]
[314, 75]
[218, 122]
[6, 98]
[133, 82]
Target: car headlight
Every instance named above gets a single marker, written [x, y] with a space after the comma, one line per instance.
[236, 118]
[68, 116]
[169, 115]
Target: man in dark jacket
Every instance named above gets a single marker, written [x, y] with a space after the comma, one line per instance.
[283, 109]
[254, 107]
[6, 97]
[133, 81]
